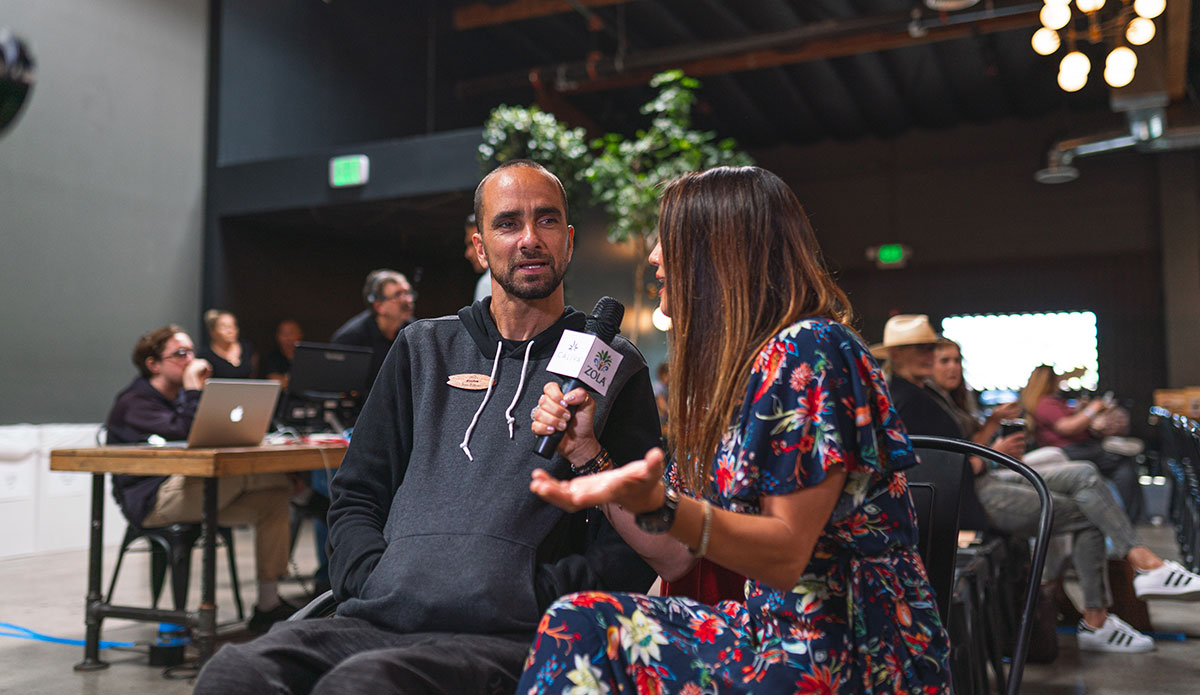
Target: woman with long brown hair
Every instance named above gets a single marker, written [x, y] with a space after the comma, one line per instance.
[786, 468]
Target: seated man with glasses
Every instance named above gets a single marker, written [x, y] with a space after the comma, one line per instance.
[161, 403]
[390, 301]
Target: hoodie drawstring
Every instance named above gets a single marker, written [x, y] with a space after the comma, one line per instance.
[508, 416]
[467, 435]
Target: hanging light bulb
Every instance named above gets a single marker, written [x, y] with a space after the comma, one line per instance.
[660, 320]
[1075, 63]
[1055, 16]
[1118, 77]
[1045, 41]
[1070, 82]
[1089, 5]
[1149, 8]
[1139, 32]
[1121, 59]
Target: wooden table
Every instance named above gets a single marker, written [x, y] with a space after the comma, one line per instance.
[210, 464]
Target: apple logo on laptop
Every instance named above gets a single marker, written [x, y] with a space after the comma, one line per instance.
[235, 415]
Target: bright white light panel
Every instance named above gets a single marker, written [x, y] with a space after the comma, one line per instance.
[999, 351]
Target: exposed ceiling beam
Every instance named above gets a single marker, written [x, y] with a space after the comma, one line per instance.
[1179, 22]
[483, 14]
[817, 41]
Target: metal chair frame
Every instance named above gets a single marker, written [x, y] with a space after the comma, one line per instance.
[1041, 539]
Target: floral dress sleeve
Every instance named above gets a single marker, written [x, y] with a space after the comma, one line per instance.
[816, 399]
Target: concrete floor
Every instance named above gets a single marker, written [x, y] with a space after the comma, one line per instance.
[45, 593]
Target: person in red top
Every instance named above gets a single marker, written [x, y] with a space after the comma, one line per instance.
[1055, 423]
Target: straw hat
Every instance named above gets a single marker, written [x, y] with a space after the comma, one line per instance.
[905, 329]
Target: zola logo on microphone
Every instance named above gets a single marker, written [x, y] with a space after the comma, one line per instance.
[235, 415]
[585, 357]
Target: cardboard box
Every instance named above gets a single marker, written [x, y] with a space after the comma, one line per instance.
[1193, 402]
[1185, 401]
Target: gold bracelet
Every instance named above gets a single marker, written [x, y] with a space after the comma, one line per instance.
[705, 531]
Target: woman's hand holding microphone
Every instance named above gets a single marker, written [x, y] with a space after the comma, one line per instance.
[636, 486]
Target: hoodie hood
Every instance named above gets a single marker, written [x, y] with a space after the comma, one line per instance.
[477, 319]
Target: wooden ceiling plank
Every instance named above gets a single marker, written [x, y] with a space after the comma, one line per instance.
[820, 49]
[482, 14]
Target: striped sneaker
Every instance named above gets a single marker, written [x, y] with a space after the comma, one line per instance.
[1172, 580]
[1115, 635]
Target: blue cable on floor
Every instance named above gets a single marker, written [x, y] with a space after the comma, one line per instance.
[10, 630]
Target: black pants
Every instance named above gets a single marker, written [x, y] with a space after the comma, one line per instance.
[347, 655]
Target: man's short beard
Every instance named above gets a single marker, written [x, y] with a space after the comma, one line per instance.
[539, 290]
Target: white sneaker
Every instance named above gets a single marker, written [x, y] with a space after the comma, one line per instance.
[1115, 635]
[1172, 580]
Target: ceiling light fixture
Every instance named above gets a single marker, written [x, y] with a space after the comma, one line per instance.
[950, 5]
[1119, 24]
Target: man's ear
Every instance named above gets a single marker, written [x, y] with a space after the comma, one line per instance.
[153, 365]
[480, 250]
[570, 242]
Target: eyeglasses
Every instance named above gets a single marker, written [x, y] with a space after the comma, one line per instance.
[181, 353]
[410, 294]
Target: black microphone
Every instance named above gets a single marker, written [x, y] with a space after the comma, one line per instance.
[585, 360]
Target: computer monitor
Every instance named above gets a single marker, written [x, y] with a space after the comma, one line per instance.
[329, 371]
[325, 387]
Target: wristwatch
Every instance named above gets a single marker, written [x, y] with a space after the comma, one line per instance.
[660, 520]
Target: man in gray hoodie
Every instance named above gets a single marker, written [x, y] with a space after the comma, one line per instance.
[442, 559]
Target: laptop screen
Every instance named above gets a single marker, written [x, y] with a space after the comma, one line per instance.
[233, 412]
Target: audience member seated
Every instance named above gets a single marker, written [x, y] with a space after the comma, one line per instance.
[161, 402]
[278, 363]
[230, 357]
[390, 304]
[1083, 504]
[441, 559]
[793, 477]
[661, 386]
[1055, 423]
[483, 286]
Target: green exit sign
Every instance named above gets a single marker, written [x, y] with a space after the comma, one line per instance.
[349, 170]
[889, 255]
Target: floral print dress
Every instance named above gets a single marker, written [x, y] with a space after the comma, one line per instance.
[861, 619]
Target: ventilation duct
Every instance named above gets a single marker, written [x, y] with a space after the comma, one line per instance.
[1147, 133]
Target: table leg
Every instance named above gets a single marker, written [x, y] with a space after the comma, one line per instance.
[91, 650]
[206, 632]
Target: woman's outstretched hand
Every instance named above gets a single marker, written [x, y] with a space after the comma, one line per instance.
[637, 486]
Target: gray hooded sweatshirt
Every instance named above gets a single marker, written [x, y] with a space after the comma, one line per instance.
[432, 524]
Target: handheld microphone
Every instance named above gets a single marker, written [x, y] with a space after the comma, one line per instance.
[585, 359]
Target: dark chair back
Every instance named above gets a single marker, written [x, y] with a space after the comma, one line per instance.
[322, 606]
[936, 486]
[1040, 544]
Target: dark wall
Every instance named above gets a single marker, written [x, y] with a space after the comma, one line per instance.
[317, 75]
[309, 265]
[986, 238]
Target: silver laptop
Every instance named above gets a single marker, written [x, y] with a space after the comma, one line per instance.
[233, 412]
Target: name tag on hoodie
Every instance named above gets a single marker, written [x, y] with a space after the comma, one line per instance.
[470, 382]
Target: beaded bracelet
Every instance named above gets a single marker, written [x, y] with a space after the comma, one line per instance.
[600, 462]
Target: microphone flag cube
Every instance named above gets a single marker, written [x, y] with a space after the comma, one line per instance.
[585, 357]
